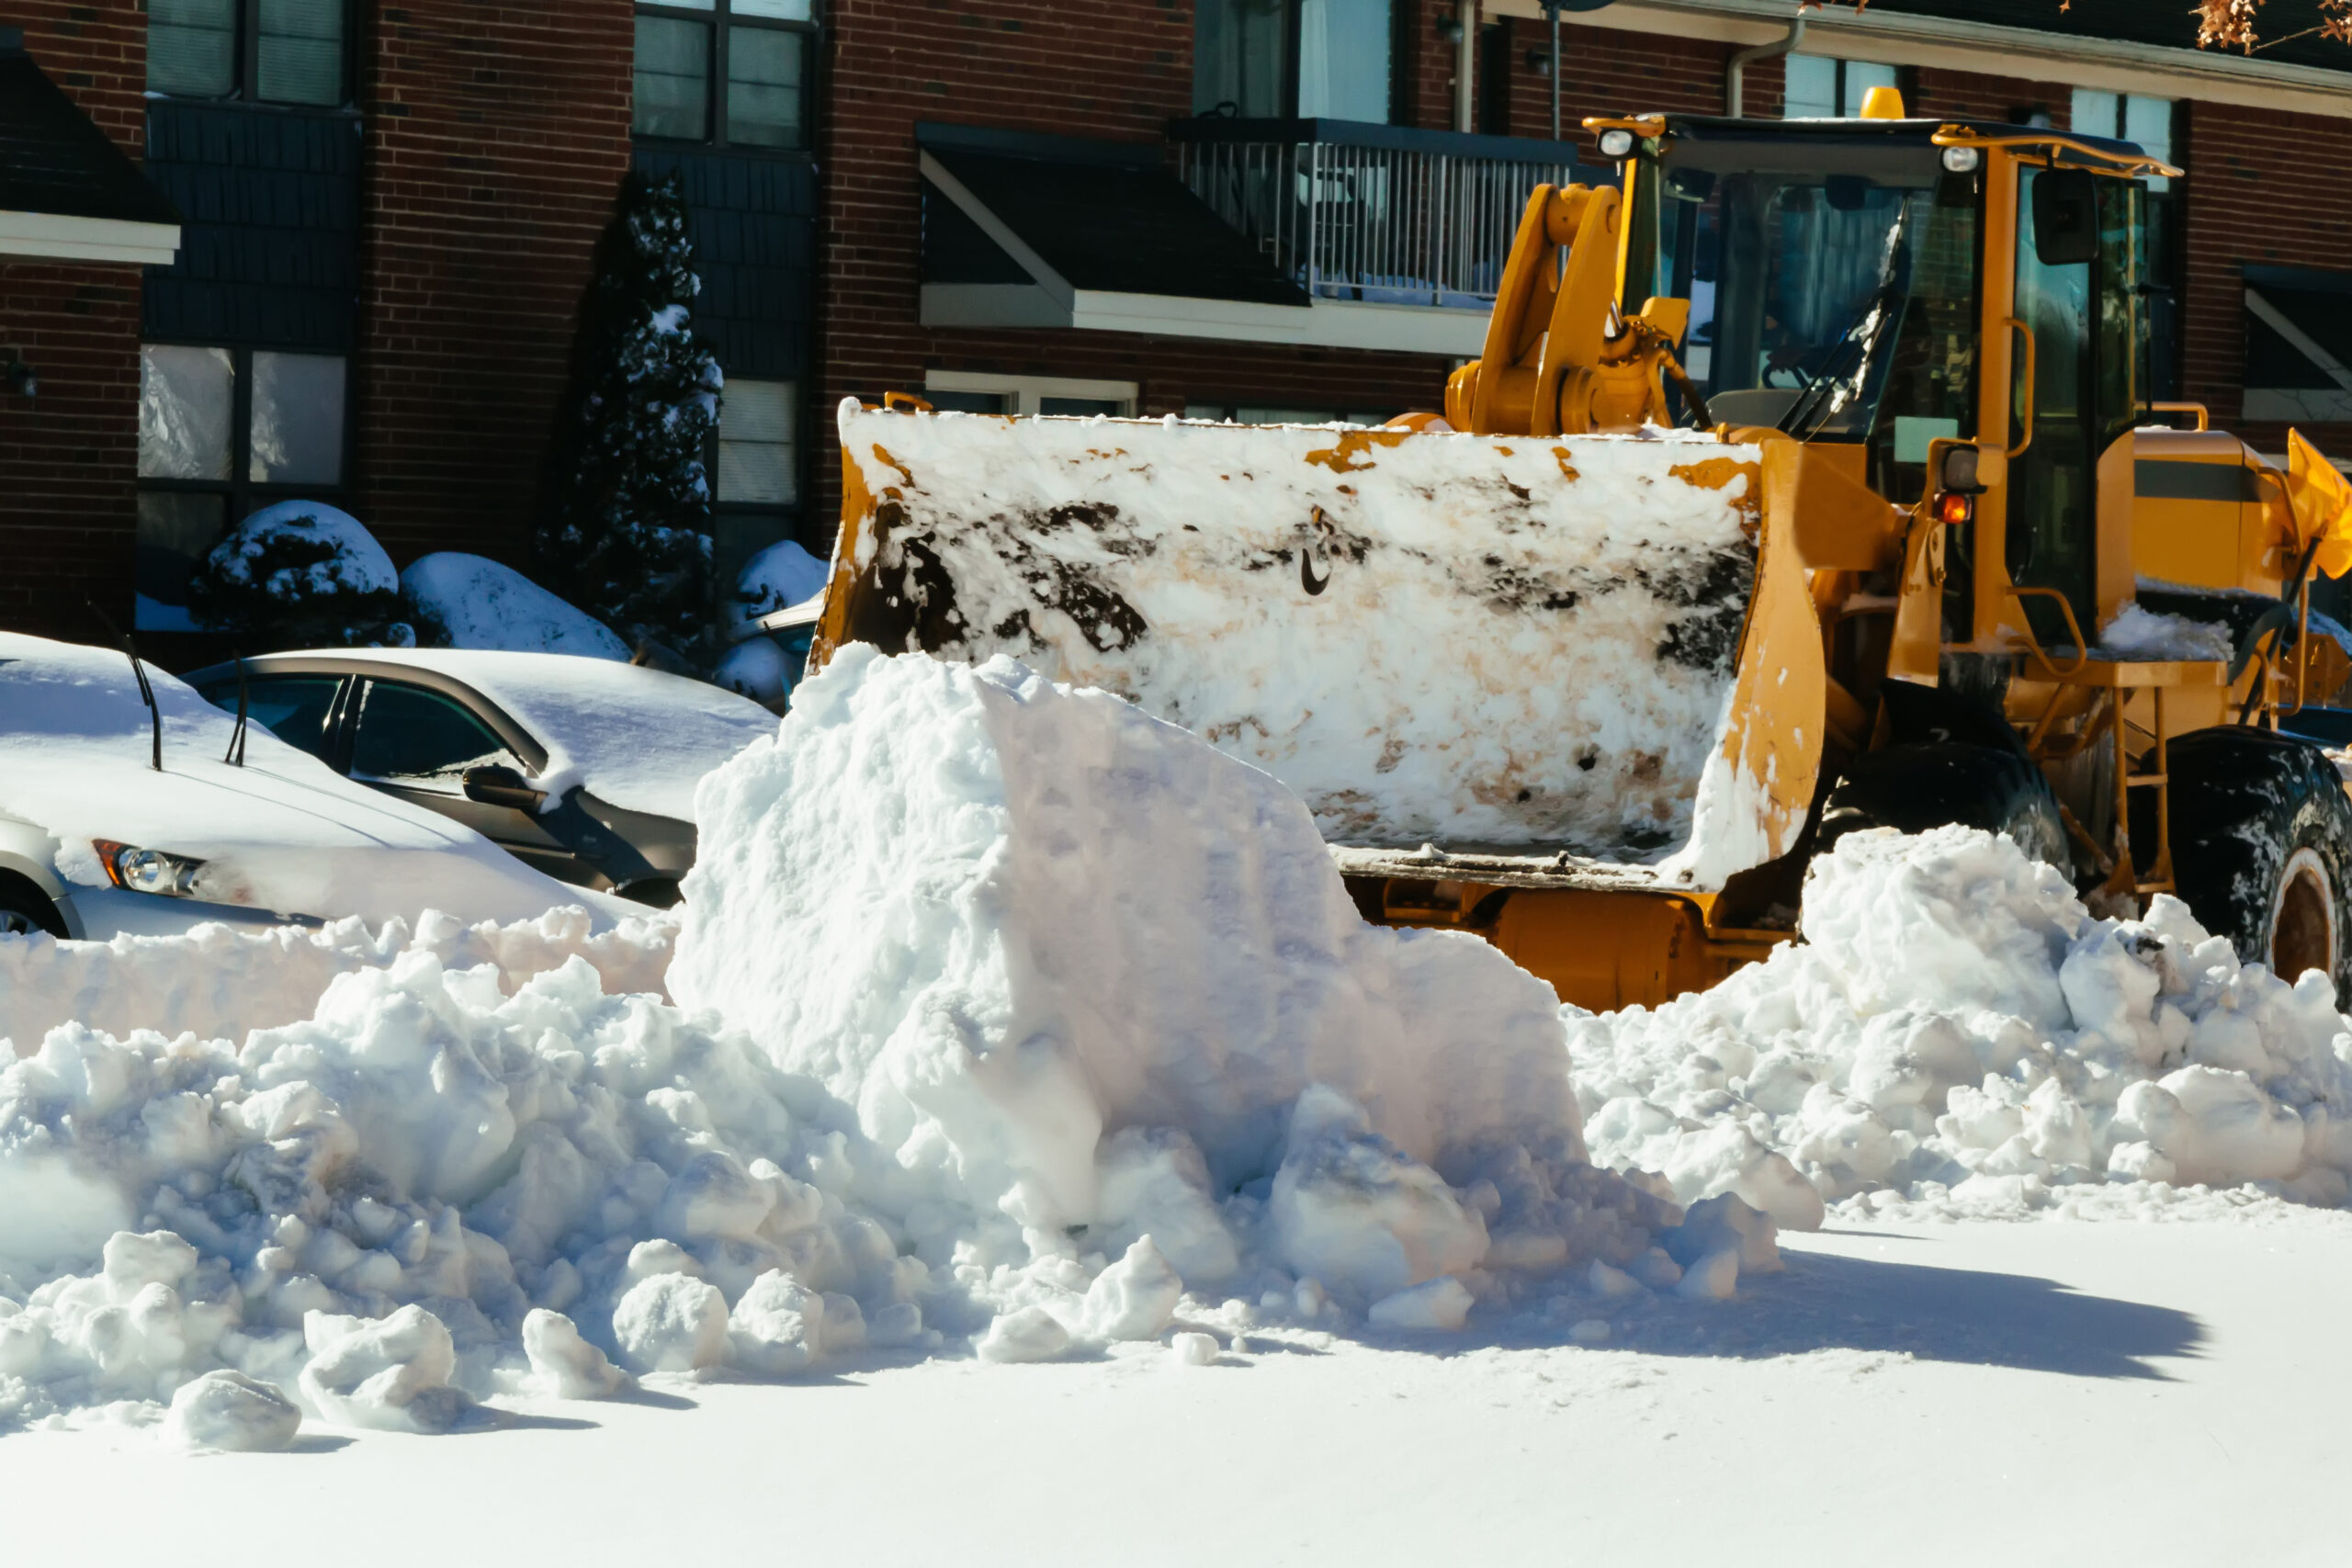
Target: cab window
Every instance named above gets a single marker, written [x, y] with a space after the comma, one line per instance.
[409, 734]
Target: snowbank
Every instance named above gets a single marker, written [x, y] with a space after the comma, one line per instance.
[462, 600]
[1020, 1023]
[1956, 1029]
[220, 982]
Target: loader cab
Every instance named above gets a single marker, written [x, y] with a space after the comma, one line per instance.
[1876, 287]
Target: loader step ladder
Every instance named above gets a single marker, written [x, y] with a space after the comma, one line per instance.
[2113, 682]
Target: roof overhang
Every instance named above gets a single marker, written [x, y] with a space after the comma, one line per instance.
[2028, 54]
[1049, 299]
[58, 236]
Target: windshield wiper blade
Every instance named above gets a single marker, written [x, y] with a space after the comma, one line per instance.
[1857, 345]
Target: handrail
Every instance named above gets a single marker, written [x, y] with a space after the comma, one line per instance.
[2074, 629]
[2018, 326]
[2204, 415]
[2053, 141]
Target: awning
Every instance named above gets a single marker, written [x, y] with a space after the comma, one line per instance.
[2298, 345]
[67, 192]
[1022, 229]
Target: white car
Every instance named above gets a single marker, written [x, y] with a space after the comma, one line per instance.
[95, 841]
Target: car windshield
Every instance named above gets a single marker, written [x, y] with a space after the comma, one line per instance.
[1832, 281]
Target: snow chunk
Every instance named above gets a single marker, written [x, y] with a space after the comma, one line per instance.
[563, 1364]
[231, 1412]
[2139, 634]
[1441, 1303]
[672, 1323]
[391, 1373]
[1031, 1334]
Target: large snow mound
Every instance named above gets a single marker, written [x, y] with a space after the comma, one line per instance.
[1041, 911]
[1019, 1023]
[462, 600]
[1956, 1029]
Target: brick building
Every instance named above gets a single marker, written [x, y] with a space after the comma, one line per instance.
[1248, 208]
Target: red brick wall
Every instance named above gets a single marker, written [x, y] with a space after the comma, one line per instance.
[2264, 189]
[1116, 69]
[497, 135]
[67, 456]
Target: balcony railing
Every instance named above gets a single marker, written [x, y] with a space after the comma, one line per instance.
[1374, 213]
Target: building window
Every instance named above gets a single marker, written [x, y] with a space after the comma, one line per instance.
[962, 391]
[223, 431]
[2298, 345]
[1821, 89]
[1276, 59]
[725, 73]
[759, 452]
[274, 52]
[2128, 116]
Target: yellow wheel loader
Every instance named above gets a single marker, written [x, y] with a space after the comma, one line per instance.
[1808, 483]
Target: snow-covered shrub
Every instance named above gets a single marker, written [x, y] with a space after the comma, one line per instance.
[780, 575]
[299, 574]
[625, 526]
[462, 600]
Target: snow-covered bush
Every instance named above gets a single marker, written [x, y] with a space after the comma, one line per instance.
[625, 526]
[462, 600]
[780, 575]
[299, 574]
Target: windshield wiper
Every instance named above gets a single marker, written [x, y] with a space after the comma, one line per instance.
[146, 691]
[1857, 345]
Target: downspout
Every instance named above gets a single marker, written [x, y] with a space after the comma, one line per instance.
[1736, 78]
[1465, 54]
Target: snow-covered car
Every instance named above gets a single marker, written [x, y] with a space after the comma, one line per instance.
[97, 839]
[584, 768]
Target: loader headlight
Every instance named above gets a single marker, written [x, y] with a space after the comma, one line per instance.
[135, 870]
[1616, 143]
[1963, 160]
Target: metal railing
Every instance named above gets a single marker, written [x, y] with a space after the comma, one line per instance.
[1374, 213]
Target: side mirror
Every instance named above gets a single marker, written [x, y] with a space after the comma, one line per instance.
[501, 786]
[2065, 217]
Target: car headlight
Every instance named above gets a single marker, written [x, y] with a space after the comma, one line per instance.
[148, 870]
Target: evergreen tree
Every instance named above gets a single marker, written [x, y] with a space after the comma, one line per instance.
[625, 523]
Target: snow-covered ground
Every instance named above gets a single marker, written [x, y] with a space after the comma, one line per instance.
[1965, 1394]
[1004, 1024]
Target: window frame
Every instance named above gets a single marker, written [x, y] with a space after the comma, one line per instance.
[246, 71]
[720, 17]
[242, 494]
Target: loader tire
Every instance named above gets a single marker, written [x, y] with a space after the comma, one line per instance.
[1939, 784]
[2261, 847]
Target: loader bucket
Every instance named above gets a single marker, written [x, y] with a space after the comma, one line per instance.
[1539, 652]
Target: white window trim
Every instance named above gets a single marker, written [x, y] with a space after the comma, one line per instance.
[1029, 392]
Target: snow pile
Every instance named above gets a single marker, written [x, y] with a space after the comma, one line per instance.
[462, 600]
[1957, 1030]
[1027, 1025]
[1083, 972]
[1464, 639]
[220, 982]
[2139, 634]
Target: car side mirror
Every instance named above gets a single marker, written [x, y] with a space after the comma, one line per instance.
[498, 785]
[2065, 217]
